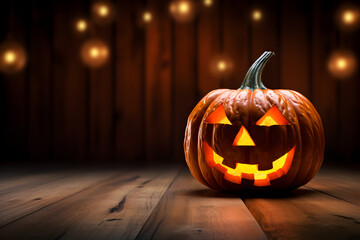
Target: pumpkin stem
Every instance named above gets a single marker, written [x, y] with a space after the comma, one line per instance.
[252, 78]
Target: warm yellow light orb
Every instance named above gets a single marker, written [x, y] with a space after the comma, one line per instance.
[182, 10]
[147, 16]
[103, 11]
[9, 57]
[184, 7]
[256, 15]
[221, 65]
[348, 17]
[81, 25]
[342, 64]
[12, 57]
[208, 3]
[94, 53]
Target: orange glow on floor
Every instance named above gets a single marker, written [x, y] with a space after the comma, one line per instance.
[272, 117]
[249, 171]
[218, 116]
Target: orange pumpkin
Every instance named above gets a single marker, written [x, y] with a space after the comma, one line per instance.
[254, 138]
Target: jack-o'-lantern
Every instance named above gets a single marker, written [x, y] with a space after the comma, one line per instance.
[254, 138]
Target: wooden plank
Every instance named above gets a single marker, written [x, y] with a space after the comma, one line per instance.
[264, 36]
[341, 183]
[129, 109]
[40, 81]
[43, 191]
[190, 211]
[184, 87]
[209, 46]
[158, 83]
[295, 44]
[115, 209]
[306, 214]
[69, 88]
[236, 39]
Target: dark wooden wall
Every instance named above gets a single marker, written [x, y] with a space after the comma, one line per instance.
[135, 107]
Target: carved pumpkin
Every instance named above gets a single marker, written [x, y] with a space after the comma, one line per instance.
[254, 138]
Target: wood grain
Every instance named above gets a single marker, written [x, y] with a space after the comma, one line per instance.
[340, 183]
[44, 190]
[191, 211]
[129, 114]
[236, 39]
[40, 81]
[69, 116]
[158, 83]
[306, 214]
[114, 209]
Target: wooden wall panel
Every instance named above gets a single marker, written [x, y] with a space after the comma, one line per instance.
[209, 44]
[236, 39]
[295, 54]
[16, 87]
[264, 37]
[40, 81]
[184, 87]
[129, 108]
[101, 95]
[323, 84]
[69, 87]
[158, 83]
[135, 107]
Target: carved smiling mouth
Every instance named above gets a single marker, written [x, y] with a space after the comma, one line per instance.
[249, 171]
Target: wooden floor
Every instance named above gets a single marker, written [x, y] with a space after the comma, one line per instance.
[170, 204]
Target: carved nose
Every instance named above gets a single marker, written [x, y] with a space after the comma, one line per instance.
[243, 138]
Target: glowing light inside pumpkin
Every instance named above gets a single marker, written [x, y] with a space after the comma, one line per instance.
[208, 3]
[342, 64]
[182, 10]
[261, 178]
[147, 16]
[218, 116]
[94, 53]
[81, 25]
[256, 15]
[243, 138]
[272, 117]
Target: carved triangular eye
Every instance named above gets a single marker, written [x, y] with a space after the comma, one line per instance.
[272, 117]
[218, 116]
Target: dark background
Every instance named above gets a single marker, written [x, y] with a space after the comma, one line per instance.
[134, 108]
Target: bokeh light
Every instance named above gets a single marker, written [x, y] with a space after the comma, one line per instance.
[342, 64]
[12, 57]
[147, 17]
[94, 53]
[256, 15]
[208, 3]
[182, 10]
[221, 65]
[103, 12]
[81, 25]
[348, 18]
